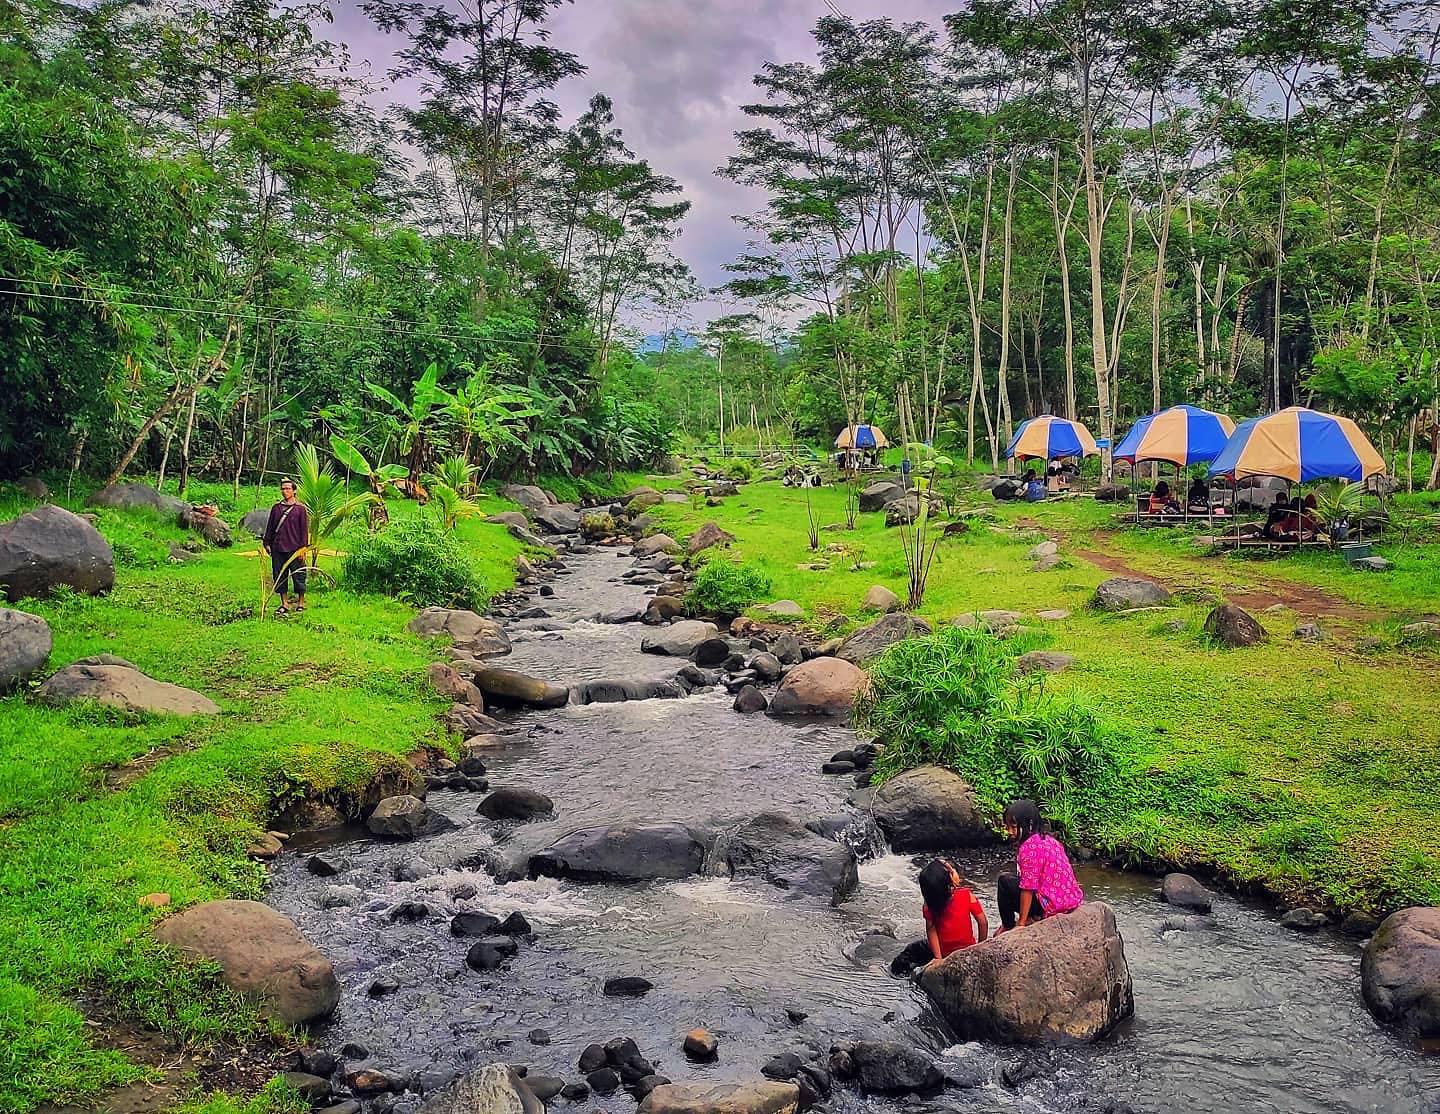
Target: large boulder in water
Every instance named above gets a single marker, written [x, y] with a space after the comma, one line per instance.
[509, 688]
[561, 518]
[679, 639]
[758, 1097]
[930, 808]
[790, 856]
[1062, 978]
[615, 692]
[25, 644]
[820, 687]
[260, 953]
[877, 496]
[869, 642]
[528, 496]
[50, 547]
[1234, 626]
[625, 852]
[482, 637]
[123, 687]
[1400, 971]
[399, 817]
[494, 1089]
[1123, 593]
[139, 496]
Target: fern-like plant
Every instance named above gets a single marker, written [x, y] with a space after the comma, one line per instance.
[325, 497]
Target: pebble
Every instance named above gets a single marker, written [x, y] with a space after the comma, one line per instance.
[593, 1058]
[575, 1092]
[603, 1081]
[700, 1044]
[539, 1037]
[628, 986]
[381, 987]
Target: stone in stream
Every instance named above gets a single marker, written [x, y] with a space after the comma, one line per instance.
[888, 1067]
[1123, 593]
[615, 692]
[514, 924]
[400, 817]
[627, 986]
[767, 666]
[701, 1044]
[493, 1089]
[260, 953]
[1064, 978]
[311, 1088]
[869, 642]
[559, 518]
[1184, 892]
[115, 686]
[1234, 627]
[449, 683]
[25, 644]
[575, 1092]
[790, 857]
[642, 1087]
[662, 608]
[538, 1037]
[1400, 971]
[679, 639]
[473, 924]
[820, 687]
[508, 688]
[515, 803]
[930, 808]
[603, 1081]
[622, 852]
[711, 652]
[749, 701]
[593, 1058]
[656, 543]
[788, 649]
[489, 955]
[1304, 920]
[755, 1097]
[50, 547]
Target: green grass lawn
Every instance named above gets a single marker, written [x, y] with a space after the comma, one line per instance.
[321, 701]
[1307, 770]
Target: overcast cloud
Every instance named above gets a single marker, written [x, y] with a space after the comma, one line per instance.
[678, 72]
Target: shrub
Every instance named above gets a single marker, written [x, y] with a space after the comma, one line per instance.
[956, 699]
[725, 588]
[418, 561]
[739, 469]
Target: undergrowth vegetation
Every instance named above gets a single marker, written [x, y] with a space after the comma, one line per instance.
[417, 561]
[725, 587]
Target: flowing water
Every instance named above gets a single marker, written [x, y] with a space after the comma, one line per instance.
[1235, 1015]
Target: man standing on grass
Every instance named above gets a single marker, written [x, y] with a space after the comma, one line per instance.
[286, 535]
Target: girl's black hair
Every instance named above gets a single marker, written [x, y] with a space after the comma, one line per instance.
[1025, 816]
[1162, 489]
[936, 887]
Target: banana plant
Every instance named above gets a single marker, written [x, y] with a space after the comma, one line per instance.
[415, 416]
[376, 475]
[325, 497]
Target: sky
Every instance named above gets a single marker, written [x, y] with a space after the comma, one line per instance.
[678, 72]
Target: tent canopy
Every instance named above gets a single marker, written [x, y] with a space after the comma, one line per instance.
[1180, 435]
[863, 437]
[1299, 445]
[1050, 438]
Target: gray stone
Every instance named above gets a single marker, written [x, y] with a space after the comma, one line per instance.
[254, 522]
[679, 639]
[1044, 661]
[758, 1097]
[1044, 549]
[528, 496]
[880, 598]
[623, 852]
[788, 649]
[1123, 593]
[790, 857]
[50, 547]
[1310, 632]
[656, 543]
[930, 808]
[561, 518]
[400, 817]
[784, 609]
[116, 686]
[1184, 892]
[1373, 563]
[509, 688]
[870, 641]
[892, 1068]
[902, 511]
[139, 496]
[516, 803]
[879, 495]
[750, 700]
[823, 686]
[493, 1089]
[1234, 627]
[25, 644]
[33, 487]
[709, 536]
[480, 636]
[767, 666]
[1400, 971]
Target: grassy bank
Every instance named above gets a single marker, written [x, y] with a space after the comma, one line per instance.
[98, 809]
[1304, 769]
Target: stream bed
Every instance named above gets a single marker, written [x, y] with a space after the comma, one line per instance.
[1237, 1014]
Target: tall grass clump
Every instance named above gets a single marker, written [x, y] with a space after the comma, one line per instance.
[418, 561]
[956, 699]
[724, 587]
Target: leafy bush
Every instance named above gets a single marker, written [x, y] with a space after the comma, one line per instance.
[739, 469]
[725, 588]
[956, 699]
[418, 561]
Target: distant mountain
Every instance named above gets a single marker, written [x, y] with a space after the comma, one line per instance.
[680, 340]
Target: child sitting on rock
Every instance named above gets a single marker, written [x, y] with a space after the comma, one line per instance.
[949, 910]
[1045, 884]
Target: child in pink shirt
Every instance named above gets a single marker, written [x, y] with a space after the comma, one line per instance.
[1045, 884]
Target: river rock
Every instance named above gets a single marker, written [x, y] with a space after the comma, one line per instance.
[662, 608]
[750, 700]
[528, 496]
[820, 687]
[525, 536]
[888, 1067]
[116, 686]
[260, 954]
[679, 639]
[708, 536]
[493, 1089]
[701, 1044]
[880, 598]
[400, 817]
[615, 692]
[516, 803]
[481, 637]
[490, 955]
[50, 547]
[784, 609]
[508, 519]
[1234, 627]
[1122, 593]
[930, 808]
[627, 986]
[1400, 971]
[509, 688]
[450, 684]
[1063, 978]
[1044, 661]
[472, 923]
[25, 644]
[757, 1097]
[1184, 892]
[656, 543]
[560, 518]
[869, 642]
[1304, 920]
[877, 496]
[788, 649]
[139, 496]
[623, 852]
[254, 522]
[643, 501]
[789, 856]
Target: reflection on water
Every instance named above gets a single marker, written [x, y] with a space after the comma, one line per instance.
[1239, 1015]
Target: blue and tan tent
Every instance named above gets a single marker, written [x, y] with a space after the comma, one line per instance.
[1299, 445]
[1180, 435]
[1050, 438]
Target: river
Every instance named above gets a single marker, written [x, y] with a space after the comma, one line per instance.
[1239, 1015]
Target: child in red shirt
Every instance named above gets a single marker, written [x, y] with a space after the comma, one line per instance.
[950, 909]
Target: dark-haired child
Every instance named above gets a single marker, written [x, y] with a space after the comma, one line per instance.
[1045, 884]
[950, 909]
